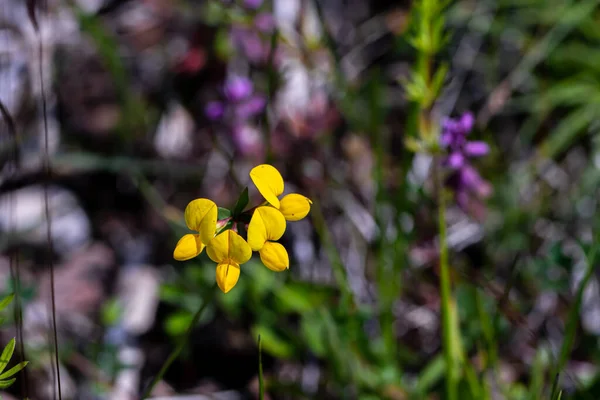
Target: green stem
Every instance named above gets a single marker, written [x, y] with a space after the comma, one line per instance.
[452, 369]
[181, 343]
[572, 324]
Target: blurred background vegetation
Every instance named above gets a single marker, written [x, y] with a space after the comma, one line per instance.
[107, 132]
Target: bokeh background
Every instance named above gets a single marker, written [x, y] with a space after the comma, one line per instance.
[116, 115]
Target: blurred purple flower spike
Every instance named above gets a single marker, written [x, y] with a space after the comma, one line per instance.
[238, 88]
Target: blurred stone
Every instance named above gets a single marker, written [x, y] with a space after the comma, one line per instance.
[79, 286]
[90, 102]
[139, 293]
[174, 133]
[23, 213]
[143, 26]
[227, 395]
[127, 380]
[47, 387]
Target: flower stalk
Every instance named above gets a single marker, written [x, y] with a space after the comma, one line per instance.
[422, 89]
[181, 343]
[450, 329]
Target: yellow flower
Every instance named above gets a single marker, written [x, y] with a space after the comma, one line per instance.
[269, 183]
[229, 250]
[200, 216]
[268, 224]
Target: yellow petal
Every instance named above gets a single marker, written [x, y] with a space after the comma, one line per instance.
[201, 216]
[267, 223]
[229, 246]
[294, 206]
[189, 246]
[269, 182]
[274, 256]
[227, 276]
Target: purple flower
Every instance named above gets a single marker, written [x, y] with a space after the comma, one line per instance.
[250, 44]
[238, 88]
[476, 149]
[236, 110]
[465, 180]
[214, 110]
[455, 160]
[250, 107]
[247, 139]
[454, 138]
[455, 131]
[254, 4]
[264, 22]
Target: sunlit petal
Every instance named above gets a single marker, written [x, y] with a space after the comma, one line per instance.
[227, 276]
[269, 182]
[274, 256]
[189, 246]
[229, 246]
[267, 223]
[294, 206]
[201, 216]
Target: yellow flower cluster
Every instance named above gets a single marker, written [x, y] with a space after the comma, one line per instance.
[267, 224]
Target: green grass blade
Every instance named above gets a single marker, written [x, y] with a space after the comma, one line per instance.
[572, 322]
[261, 383]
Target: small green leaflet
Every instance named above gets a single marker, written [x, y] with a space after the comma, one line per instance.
[7, 354]
[223, 213]
[6, 301]
[241, 203]
[14, 370]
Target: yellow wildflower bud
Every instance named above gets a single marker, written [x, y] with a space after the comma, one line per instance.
[228, 250]
[274, 256]
[294, 206]
[201, 216]
[189, 246]
[267, 223]
[269, 182]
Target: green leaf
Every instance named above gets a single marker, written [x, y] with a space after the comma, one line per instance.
[14, 370]
[5, 384]
[313, 333]
[7, 354]
[177, 323]
[6, 301]
[223, 213]
[110, 312]
[431, 375]
[272, 343]
[241, 203]
[222, 45]
[568, 130]
[241, 227]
